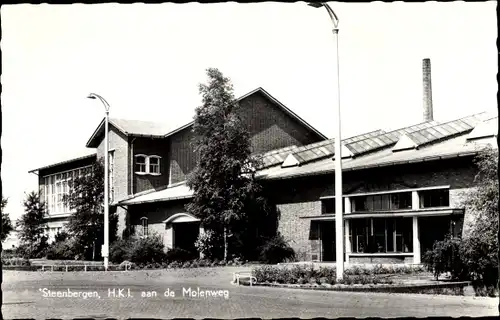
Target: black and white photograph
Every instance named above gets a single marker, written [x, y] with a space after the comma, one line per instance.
[249, 160]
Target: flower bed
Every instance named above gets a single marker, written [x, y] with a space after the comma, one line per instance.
[307, 274]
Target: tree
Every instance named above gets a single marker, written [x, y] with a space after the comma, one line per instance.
[479, 248]
[86, 198]
[6, 223]
[223, 181]
[32, 226]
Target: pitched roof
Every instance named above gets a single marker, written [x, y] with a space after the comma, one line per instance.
[88, 156]
[322, 149]
[371, 150]
[163, 130]
[128, 127]
[454, 147]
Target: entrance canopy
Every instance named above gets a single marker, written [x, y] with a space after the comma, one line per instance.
[181, 217]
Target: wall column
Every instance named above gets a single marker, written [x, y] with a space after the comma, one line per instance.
[416, 241]
[415, 205]
[347, 241]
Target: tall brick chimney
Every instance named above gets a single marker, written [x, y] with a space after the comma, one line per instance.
[426, 71]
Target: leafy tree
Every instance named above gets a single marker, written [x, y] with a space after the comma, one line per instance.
[479, 248]
[32, 226]
[223, 182]
[6, 223]
[86, 224]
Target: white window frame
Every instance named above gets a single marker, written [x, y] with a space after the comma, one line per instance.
[52, 197]
[145, 164]
[158, 165]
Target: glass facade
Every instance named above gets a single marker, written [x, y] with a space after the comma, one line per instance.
[434, 198]
[381, 235]
[382, 202]
[58, 185]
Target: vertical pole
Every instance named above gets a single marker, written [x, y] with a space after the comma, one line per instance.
[339, 219]
[106, 193]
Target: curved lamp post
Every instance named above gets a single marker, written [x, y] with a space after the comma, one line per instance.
[105, 248]
[339, 219]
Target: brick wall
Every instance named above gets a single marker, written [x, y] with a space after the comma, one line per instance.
[270, 128]
[119, 143]
[156, 214]
[182, 159]
[149, 146]
[301, 197]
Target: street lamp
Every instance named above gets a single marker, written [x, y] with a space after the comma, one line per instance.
[105, 248]
[339, 219]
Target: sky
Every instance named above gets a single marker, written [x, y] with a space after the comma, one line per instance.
[147, 61]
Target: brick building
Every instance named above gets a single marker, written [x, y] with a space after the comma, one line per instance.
[402, 189]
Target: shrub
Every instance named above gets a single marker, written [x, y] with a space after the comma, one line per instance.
[207, 244]
[148, 250]
[174, 265]
[203, 263]
[327, 275]
[35, 250]
[63, 250]
[18, 262]
[482, 262]
[120, 250]
[276, 250]
[180, 255]
[186, 264]
[445, 257]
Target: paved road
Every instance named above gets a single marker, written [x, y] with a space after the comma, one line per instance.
[23, 298]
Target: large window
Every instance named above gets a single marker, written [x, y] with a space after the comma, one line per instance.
[147, 164]
[328, 206]
[56, 186]
[374, 235]
[434, 198]
[382, 202]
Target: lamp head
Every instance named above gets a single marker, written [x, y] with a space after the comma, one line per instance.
[315, 4]
[91, 96]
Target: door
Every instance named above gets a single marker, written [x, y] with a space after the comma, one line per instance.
[185, 235]
[327, 236]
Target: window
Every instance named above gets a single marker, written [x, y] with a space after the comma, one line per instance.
[147, 164]
[381, 235]
[140, 163]
[434, 198]
[154, 164]
[328, 206]
[144, 223]
[56, 186]
[382, 202]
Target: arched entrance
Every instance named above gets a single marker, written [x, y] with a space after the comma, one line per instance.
[183, 230]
